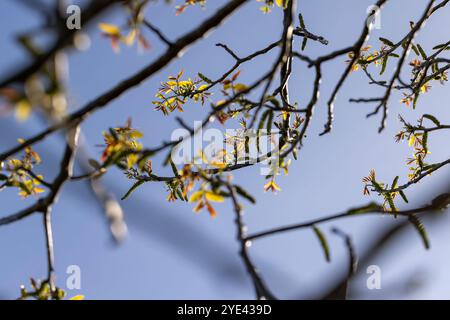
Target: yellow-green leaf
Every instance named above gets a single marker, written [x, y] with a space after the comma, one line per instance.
[196, 196]
[23, 110]
[211, 196]
[323, 243]
[109, 29]
[281, 3]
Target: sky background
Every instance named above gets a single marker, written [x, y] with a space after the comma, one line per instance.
[173, 253]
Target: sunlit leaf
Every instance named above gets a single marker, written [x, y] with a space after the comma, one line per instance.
[109, 29]
[323, 243]
[211, 196]
[196, 196]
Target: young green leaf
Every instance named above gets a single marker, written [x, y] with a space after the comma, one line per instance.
[416, 51]
[387, 42]
[384, 64]
[432, 119]
[440, 46]
[390, 201]
[305, 41]
[243, 193]
[435, 68]
[371, 207]
[420, 229]
[395, 182]
[302, 21]
[204, 78]
[269, 122]
[422, 52]
[425, 141]
[323, 243]
[260, 126]
[403, 195]
[95, 164]
[173, 167]
[416, 98]
[134, 187]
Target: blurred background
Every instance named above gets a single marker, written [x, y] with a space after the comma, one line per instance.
[171, 252]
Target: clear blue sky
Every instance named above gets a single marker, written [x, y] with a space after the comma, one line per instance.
[172, 252]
